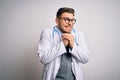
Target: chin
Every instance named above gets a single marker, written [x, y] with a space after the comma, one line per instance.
[67, 31]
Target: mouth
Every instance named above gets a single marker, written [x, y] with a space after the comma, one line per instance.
[68, 28]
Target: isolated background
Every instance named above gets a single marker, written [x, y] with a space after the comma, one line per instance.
[21, 22]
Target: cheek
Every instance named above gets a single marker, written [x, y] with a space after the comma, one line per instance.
[63, 26]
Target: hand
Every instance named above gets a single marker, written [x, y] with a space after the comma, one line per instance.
[65, 41]
[68, 39]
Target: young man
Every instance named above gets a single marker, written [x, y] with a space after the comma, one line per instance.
[62, 49]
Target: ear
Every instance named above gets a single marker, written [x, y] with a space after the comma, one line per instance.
[57, 21]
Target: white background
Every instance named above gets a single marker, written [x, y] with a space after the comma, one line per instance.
[21, 22]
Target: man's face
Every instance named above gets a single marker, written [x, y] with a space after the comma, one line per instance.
[65, 22]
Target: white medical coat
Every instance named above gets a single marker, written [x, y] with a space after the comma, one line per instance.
[51, 48]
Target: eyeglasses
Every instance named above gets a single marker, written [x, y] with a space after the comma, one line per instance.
[67, 20]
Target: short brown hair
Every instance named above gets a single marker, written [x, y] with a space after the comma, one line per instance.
[63, 10]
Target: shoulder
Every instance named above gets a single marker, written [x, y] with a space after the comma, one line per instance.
[47, 31]
[78, 32]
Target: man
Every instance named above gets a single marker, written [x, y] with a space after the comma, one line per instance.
[62, 49]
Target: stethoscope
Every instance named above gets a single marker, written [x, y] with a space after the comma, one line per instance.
[55, 30]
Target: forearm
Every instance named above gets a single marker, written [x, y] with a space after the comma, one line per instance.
[80, 51]
[50, 54]
[79, 54]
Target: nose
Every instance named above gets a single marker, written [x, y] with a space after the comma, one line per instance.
[70, 23]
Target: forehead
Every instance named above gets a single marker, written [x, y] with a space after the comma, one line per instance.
[69, 15]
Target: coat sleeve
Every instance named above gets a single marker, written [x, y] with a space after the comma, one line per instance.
[80, 51]
[48, 51]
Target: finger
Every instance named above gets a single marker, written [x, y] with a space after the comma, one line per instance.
[65, 35]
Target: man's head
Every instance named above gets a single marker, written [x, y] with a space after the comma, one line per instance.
[65, 19]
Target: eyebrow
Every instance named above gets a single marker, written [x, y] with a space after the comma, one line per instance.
[68, 18]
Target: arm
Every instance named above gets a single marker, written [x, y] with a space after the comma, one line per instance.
[47, 50]
[80, 51]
